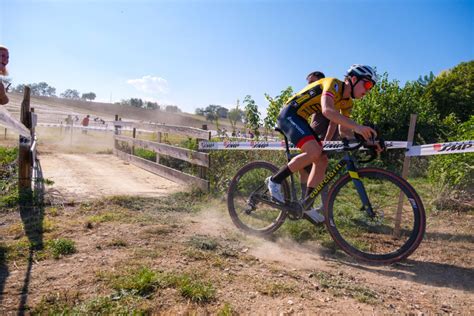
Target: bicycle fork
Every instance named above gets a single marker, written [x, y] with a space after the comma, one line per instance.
[366, 205]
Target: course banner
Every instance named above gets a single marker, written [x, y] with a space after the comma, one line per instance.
[264, 145]
[442, 148]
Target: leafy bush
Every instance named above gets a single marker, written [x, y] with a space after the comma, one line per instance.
[8, 177]
[145, 154]
[455, 170]
[226, 163]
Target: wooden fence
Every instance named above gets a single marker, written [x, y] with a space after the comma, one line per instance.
[27, 160]
[198, 159]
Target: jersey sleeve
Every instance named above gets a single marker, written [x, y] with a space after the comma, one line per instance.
[346, 107]
[331, 87]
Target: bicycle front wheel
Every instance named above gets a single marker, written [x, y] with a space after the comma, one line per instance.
[249, 202]
[393, 233]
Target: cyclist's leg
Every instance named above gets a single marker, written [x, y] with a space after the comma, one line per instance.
[298, 131]
[304, 179]
[317, 173]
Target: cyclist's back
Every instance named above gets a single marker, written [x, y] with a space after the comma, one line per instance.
[308, 101]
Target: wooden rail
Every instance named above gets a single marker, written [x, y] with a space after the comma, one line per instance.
[164, 171]
[191, 156]
[171, 129]
[199, 159]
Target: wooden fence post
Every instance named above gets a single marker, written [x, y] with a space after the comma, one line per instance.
[158, 140]
[406, 166]
[24, 154]
[134, 135]
[202, 171]
[116, 132]
[5, 133]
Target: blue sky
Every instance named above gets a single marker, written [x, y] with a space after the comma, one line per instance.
[201, 52]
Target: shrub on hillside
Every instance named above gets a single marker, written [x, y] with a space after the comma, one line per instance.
[456, 170]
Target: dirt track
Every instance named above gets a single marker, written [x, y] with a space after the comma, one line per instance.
[89, 176]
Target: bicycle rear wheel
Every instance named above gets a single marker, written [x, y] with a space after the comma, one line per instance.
[249, 202]
[379, 239]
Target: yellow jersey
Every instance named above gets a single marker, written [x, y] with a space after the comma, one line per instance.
[308, 101]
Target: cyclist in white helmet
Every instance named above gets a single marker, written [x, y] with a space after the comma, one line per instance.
[332, 98]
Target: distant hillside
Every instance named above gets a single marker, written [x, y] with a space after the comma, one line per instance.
[127, 112]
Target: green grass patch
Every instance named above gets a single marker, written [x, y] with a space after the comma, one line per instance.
[226, 310]
[117, 243]
[66, 303]
[111, 216]
[340, 286]
[8, 178]
[274, 289]
[203, 243]
[8, 155]
[196, 290]
[144, 282]
[61, 247]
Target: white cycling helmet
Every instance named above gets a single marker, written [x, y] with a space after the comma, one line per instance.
[362, 72]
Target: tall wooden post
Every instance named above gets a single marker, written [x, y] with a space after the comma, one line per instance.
[5, 133]
[202, 171]
[24, 155]
[406, 166]
[134, 135]
[158, 140]
[116, 132]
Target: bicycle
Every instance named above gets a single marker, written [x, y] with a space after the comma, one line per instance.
[361, 212]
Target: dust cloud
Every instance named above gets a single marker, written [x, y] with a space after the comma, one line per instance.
[74, 140]
[216, 222]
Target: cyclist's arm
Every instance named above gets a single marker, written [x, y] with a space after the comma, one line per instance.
[345, 132]
[330, 132]
[329, 111]
[327, 107]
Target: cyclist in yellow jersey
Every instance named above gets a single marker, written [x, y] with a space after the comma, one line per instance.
[332, 98]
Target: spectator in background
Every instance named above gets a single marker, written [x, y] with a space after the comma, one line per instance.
[314, 76]
[85, 123]
[4, 56]
[68, 121]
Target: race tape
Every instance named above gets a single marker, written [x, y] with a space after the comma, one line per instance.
[442, 148]
[423, 150]
[263, 145]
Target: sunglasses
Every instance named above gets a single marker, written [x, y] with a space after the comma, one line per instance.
[368, 84]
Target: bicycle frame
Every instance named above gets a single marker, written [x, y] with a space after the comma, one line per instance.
[351, 168]
[349, 163]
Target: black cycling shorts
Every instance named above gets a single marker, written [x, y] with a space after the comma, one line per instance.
[295, 127]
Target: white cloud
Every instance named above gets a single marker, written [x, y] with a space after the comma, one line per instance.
[150, 84]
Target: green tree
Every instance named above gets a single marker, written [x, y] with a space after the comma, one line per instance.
[453, 92]
[43, 89]
[37, 89]
[151, 105]
[252, 115]
[211, 114]
[70, 94]
[200, 111]
[388, 105]
[274, 107]
[136, 102]
[235, 115]
[172, 109]
[88, 96]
